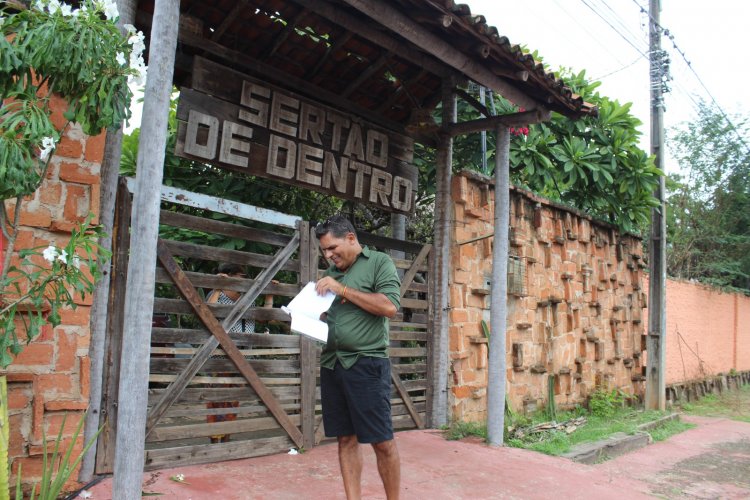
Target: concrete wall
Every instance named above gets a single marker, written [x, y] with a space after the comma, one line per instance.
[50, 378]
[708, 331]
[575, 302]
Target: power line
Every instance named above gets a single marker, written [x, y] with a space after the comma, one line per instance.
[615, 29]
[660, 29]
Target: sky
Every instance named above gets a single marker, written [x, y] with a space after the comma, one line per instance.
[609, 39]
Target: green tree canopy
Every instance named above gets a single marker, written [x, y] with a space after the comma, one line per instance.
[708, 213]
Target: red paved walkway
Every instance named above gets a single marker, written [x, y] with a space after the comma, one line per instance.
[711, 461]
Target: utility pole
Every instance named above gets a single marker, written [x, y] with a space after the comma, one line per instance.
[657, 318]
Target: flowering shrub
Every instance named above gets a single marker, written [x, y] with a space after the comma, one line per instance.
[80, 55]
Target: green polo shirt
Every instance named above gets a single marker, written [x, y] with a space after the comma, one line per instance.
[353, 332]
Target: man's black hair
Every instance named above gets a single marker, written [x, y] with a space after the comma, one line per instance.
[338, 225]
[230, 268]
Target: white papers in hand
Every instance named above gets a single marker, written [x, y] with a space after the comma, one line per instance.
[305, 310]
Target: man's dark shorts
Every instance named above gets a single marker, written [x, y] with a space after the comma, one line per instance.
[357, 401]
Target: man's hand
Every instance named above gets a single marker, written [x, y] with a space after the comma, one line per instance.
[324, 285]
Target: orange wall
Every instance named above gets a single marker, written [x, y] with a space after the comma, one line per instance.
[708, 332]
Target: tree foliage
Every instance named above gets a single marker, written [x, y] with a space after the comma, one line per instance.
[708, 213]
[592, 163]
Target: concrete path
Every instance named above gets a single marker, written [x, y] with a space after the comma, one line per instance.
[711, 461]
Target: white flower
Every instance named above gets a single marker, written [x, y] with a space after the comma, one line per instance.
[85, 494]
[40, 4]
[129, 28]
[120, 58]
[76, 261]
[109, 7]
[66, 10]
[48, 144]
[63, 256]
[53, 6]
[293, 451]
[50, 253]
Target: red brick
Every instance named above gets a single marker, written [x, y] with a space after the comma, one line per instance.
[76, 203]
[66, 351]
[62, 226]
[95, 148]
[51, 385]
[461, 391]
[85, 376]
[55, 423]
[16, 438]
[36, 354]
[78, 316]
[41, 217]
[46, 333]
[58, 106]
[24, 239]
[18, 400]
[95, 201]
[74, 172]
[61, 405]
[69, 148]
[50, 193]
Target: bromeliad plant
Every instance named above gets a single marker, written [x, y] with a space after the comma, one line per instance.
[81, 56]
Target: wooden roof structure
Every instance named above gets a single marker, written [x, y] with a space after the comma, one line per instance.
[388, 71]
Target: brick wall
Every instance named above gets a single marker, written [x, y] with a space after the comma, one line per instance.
[708, 331]
[50, 378]
[575, 302]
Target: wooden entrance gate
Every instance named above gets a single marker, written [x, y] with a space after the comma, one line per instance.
[258, 391]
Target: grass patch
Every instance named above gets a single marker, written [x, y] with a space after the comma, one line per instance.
[669, 429]
[460, 430]
[734, 404]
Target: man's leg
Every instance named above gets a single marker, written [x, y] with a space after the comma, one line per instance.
[389, 467]
[350, 461]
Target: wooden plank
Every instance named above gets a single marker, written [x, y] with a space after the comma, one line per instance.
[308, 348]
[205, 252]
[407, 352]
[198, 379]
[202, 395]
[406, 399]
[218, 365]
[204, 429]
[204, 453]
[220, 337]
[171, 335]
[414, 303]
[418, 261]
[389, 243]
[219, 205]
[406, 335]
[177, 219]
[105, 453]
[176, 306]
[403, 369]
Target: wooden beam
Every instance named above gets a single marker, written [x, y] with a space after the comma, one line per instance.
[491, 123]
[412, 271]
[400, 23]
[471, 100]
[365, 75]
[404, 393]
[281, 37]
[443, 20]
[228, 20]
[272, 74]
[332, 49]
[370, 32]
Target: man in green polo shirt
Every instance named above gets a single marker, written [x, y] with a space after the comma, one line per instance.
[355, 373]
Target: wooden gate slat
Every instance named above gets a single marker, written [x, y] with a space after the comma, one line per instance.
[408, 277]
[219, 336]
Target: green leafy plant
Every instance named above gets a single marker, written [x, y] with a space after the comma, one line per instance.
[57, 469]
[80, 55]
[47, 280]
[603, 403]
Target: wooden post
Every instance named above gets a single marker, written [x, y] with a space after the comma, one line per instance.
[139, 295]
[499, 291]
[110, 169]
[439, 271]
